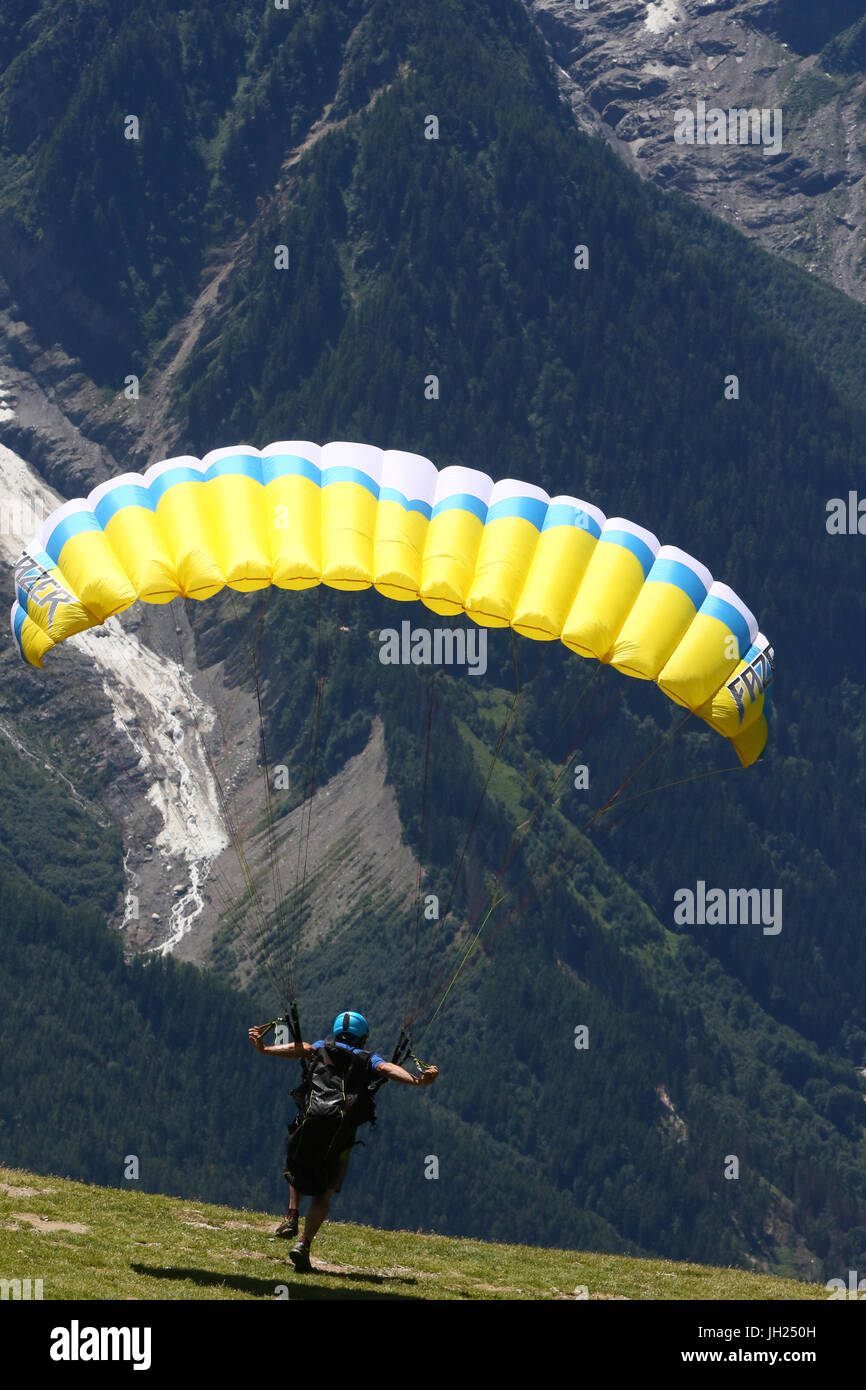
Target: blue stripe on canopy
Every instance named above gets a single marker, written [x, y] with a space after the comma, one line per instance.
[461, 502]
[639, 549]
[675, 572]
[563, 514]
[390, 494]
[41, 557]
[71, 525]
[530, 509]
[340, 473]
[17, 624]
[715, 607]
[128, 495]
[239, 465]
[290, 466]
[172, 477]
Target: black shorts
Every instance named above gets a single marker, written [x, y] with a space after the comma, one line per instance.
[316, 1180]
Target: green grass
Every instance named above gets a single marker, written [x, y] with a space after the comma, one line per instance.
[104, 1243]
[810, 91]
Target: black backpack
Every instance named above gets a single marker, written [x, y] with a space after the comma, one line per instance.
[333, 1099]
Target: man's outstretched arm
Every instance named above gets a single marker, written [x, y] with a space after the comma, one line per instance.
[290, 1050]
[395, 1073]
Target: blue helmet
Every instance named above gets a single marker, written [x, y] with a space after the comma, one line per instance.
[351, 1028]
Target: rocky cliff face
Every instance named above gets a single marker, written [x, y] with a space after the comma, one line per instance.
[168, 748]
[629, 67]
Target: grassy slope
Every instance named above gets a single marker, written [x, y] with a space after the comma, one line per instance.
[101, 1243]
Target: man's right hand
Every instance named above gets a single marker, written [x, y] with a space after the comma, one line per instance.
[428, 1076]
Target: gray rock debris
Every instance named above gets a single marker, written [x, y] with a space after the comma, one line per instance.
[626, 68]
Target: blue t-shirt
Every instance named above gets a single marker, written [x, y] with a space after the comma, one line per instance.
[374, 1060]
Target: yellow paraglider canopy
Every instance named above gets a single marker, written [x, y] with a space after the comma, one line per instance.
[351, 516]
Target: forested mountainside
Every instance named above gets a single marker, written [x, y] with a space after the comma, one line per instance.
[451, 257]
[775, 89]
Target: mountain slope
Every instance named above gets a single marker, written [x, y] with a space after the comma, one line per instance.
[454, 257]
[192, 1250]
[628, 69]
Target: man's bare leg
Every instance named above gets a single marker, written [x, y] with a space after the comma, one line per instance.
[289, 1226]
[300, 1253]
[317, 1213]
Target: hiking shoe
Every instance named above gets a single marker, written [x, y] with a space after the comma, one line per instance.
[300, 1257]
[288, 1229]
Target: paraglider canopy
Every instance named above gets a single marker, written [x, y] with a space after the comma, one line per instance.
[296, 514]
